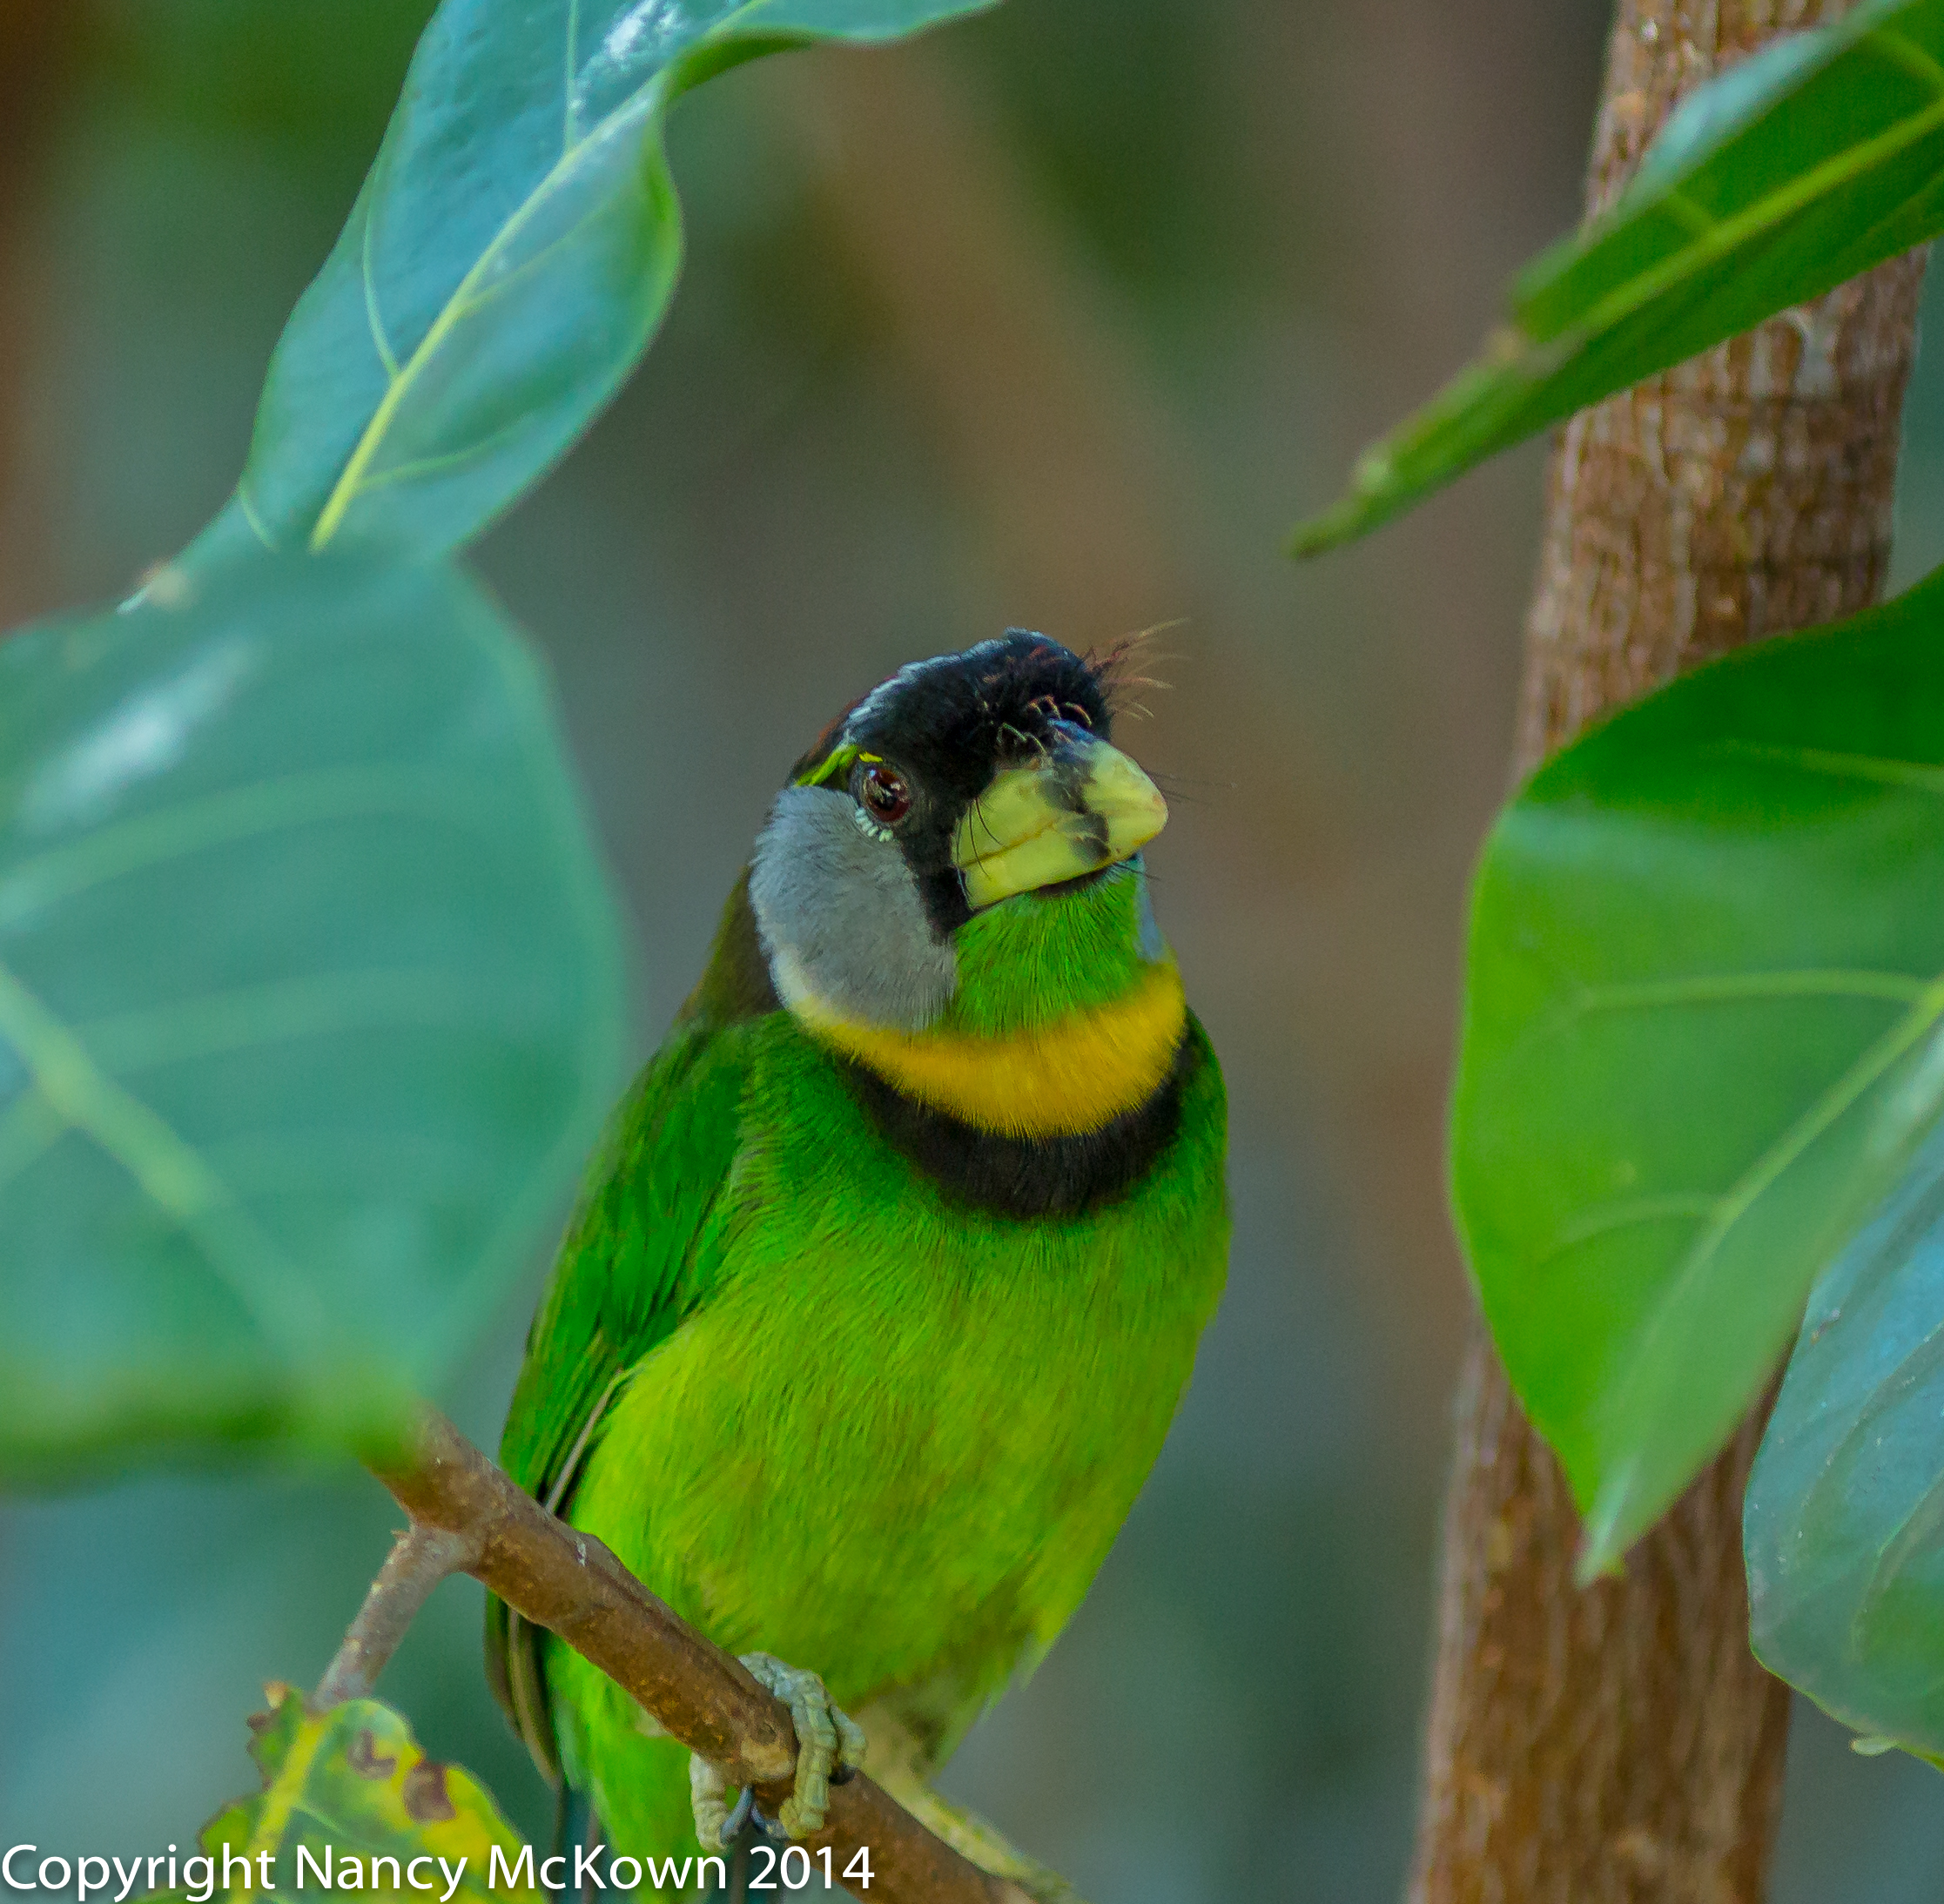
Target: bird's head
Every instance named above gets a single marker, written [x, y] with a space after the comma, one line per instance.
[969, 813]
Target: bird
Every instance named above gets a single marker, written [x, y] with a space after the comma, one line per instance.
[886, 1279]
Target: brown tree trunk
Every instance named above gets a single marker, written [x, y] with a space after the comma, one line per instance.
[1620, 1745]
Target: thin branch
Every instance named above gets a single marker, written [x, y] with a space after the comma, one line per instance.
[467, 1516]
[420, 1559]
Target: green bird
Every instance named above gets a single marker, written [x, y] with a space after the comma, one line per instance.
[887, 1278]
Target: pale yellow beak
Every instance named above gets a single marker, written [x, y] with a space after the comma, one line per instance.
[1079, 806]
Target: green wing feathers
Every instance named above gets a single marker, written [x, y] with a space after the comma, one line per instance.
[625, 1276]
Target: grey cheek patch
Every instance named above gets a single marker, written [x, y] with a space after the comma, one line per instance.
[846, 911]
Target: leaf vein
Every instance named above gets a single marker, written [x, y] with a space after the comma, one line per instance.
[168, 1170]
[374, 318]
[1691, 215]
[350, 483]
[1739, 987]
[1853, 161]
[1762, 1174]
[1921, 776]
[1906, 52]
[1600, 1218]
[285, 1010]
[153, 839]
[30, 1128]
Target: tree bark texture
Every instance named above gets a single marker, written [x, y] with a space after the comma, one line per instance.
[1620, 1745]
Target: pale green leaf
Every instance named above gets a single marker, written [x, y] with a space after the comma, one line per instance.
[309, 1000]
[510, 256]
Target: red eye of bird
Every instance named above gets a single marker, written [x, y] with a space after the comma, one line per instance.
[883, 794]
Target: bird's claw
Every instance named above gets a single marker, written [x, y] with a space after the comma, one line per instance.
[716, 1826]
[830, 1747]
[828, 1740]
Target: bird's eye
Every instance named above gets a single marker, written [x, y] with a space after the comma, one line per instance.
[882, 793]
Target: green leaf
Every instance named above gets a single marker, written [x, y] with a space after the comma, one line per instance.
[1701, 1037]
[1821, 155]
[309, 1000]
[509, 256]
[1844, 1527]
[350, 1786]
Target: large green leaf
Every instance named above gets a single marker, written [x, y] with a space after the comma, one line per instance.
[1701, 1037]
[309, 1002]
[510, 257]
[1844, 1526]
[352, 1790]
[1821, 155]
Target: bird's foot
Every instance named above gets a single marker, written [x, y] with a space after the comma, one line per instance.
[829, 1742]
[715, 1824]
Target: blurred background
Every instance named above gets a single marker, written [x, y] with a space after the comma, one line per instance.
[1057, 318]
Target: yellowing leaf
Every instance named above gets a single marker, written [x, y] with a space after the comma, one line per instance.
[351, 1790]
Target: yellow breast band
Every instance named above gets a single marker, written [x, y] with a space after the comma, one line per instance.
[1073, 1075]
